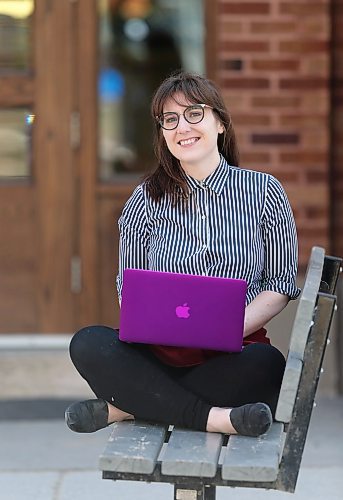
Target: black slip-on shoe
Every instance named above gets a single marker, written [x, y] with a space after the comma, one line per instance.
[87, 416]
[252, 419]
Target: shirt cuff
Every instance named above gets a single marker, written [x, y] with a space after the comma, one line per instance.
[282, 287]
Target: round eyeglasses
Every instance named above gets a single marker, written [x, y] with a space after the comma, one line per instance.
[192, 114]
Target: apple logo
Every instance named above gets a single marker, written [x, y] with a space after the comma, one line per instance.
[182, 311]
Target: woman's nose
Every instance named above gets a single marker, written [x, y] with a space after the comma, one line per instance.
[183, 125]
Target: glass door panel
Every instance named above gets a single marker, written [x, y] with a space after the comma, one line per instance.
[16, 34]
[15, 143]
[140, 43]
[16, 84]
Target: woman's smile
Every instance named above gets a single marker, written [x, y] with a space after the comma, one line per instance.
[188, 142]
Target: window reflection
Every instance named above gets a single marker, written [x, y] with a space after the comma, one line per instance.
[15, 142]
[140, 42]
[15, 34]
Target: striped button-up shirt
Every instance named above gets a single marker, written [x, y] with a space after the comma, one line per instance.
[236, 223]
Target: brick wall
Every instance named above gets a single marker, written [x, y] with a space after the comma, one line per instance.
[273, 65]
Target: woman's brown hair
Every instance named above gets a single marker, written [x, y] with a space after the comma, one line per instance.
[169, 178]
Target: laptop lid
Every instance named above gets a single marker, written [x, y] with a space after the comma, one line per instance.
[182, 310]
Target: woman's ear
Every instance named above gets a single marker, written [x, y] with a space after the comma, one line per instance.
[221, 128]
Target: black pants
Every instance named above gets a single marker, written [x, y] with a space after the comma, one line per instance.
[131, 378]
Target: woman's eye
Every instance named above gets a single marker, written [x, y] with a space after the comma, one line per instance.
[194, 114]
[170, 119]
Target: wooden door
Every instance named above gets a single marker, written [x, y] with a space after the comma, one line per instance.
[37, 206]
[59, 236]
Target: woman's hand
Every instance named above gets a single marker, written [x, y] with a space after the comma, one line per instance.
[263, 309]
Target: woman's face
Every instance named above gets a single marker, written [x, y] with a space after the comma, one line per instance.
[192, 144]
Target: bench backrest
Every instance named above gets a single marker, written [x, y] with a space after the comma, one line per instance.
[301, 327]
[304, 362]
[321, 276]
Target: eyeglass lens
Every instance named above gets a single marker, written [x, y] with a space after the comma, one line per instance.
[192, 114]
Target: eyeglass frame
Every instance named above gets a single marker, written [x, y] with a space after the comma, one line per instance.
[203, 106]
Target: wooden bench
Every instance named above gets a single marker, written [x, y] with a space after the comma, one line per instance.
[196, 462]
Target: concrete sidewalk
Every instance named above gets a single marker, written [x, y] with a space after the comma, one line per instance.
[44, 460]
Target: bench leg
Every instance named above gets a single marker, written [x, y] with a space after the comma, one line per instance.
[187, 492]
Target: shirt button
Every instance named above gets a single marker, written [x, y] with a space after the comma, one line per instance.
[203, 217]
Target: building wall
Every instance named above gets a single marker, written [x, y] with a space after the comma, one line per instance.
[273, 65]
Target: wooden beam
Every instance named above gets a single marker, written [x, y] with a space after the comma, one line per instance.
[16, 90]
[54, 169]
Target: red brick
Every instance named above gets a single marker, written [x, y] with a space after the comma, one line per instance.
[317, 65]
[233, 100]
[316, 177]
[314, 26]
[318, 100]
[313, 232]
[306, 157]
[275, 138]
[304, 83]
[276, 27]
[250, 119]
[288, 177]
[275, 101]
[255, 157]
[308, 8]
[244, 46]
[316, 212]
[275, 64]
[245, 83]
[231, 27]
[304, 194]
[232, 64]
[301, 120]
[304, 46]
[317, 138]
[244, 8]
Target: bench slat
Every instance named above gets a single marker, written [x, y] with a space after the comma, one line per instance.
[254, 459]
[304, 314]
[289, 389]
[192, 453]
[133, 447]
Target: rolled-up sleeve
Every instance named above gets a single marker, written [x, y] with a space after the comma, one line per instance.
[280, 242]
[133, 237]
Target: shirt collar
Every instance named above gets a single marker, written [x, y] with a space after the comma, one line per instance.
[215, 181]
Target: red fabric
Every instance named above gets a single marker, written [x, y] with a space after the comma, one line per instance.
[185, 356]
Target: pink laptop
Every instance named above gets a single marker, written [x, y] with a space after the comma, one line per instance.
[182, 310]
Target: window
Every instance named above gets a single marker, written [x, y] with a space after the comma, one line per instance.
[15, 142]
[15, 65]
[15, 34]
[140, 43]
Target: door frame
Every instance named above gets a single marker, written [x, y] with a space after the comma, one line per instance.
[53, 154]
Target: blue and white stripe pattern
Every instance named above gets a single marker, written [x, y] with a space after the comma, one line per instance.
[237, 223]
